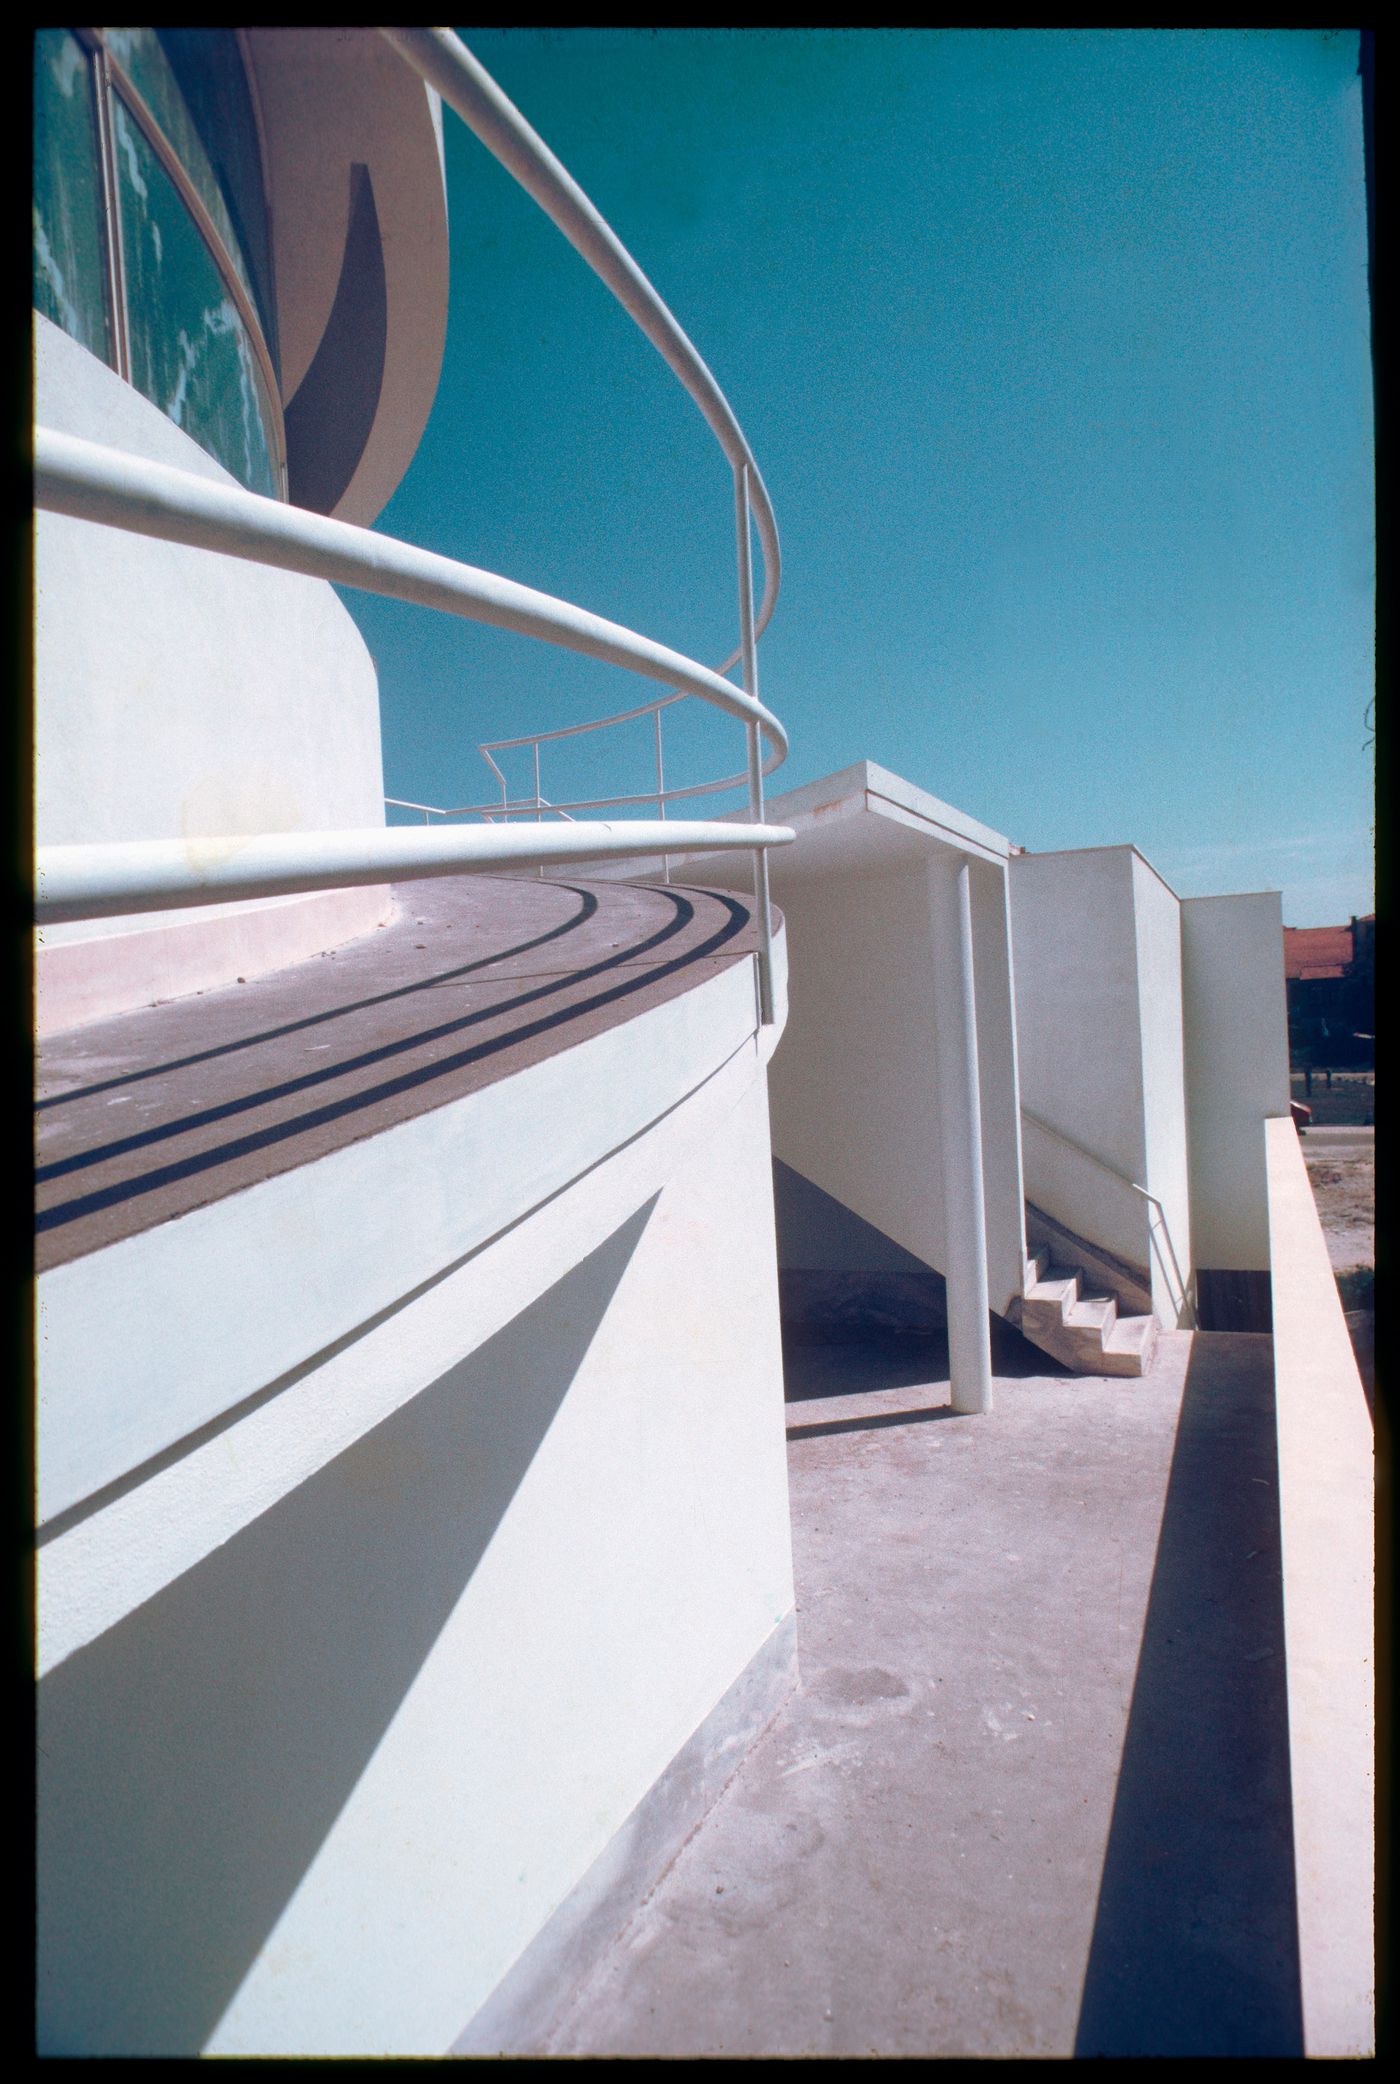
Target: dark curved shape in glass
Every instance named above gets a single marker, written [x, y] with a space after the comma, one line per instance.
[208, 68]
[329, 420]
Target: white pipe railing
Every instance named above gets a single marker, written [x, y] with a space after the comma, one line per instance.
[1184, 1287]
[91, 482]
[107, 881]
[444, 61]
[86, 480]
[95, 483]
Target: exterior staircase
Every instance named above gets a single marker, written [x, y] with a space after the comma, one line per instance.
[1084, 1332]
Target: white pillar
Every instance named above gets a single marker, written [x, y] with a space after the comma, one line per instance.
[960, 1120]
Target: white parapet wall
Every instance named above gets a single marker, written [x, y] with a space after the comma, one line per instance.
[1166, 1174]
[184, 695]
[1099, 1036]
[1326, 1470]
[1236, 1024]
[348, 1687]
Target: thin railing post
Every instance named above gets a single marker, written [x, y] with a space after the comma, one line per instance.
[539, 814]
[661, 792]
[749, 656]
[960, 1124]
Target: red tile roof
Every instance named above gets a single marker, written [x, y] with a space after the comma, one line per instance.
[1316, 951]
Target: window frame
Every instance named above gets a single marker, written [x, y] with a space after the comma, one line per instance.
[111, 81]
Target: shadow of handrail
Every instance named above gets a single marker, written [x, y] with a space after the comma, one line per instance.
[276, 1132]
[1171, 1265]
[588, 905]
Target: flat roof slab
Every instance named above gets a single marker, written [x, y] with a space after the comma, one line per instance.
[861, 821]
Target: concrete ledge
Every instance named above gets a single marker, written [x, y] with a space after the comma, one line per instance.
[1326, 1454]
[531, 2002]
[80, 981]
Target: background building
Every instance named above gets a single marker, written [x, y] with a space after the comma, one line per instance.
[1331, 972]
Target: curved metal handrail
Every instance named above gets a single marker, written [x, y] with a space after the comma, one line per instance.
[90, 482]
[87, 480]
[95, 483]
[446, 64]
[109, 880]
[525, 805]
[444, 61]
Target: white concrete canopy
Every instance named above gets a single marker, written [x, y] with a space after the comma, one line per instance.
[895, 1090]
[863, 821]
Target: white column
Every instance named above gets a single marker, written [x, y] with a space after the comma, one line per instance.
[960, 1120]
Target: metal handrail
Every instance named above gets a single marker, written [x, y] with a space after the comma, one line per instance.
[1188, 1297]
[85, 480]
[109, 880]
[445, 63]
[95, 483]
[92, 482]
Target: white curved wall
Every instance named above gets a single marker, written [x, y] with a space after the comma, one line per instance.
[184, 694]
[342, 1697]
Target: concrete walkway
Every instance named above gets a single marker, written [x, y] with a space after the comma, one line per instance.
[1032, 1796]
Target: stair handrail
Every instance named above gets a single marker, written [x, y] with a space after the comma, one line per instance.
[1184, 1287]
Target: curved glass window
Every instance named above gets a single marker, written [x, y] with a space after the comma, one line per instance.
[194, 86]
[70, 267]
[148, 185]
[191, 353]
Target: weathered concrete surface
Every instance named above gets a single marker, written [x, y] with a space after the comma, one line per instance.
[1032, 1797]
[153, 1113]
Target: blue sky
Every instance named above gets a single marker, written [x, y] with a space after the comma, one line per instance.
[1052, 348]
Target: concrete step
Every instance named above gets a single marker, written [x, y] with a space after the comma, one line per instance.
[1129, 1347]
[1094, 1312]
[1056, 1289]
[1083, 1332]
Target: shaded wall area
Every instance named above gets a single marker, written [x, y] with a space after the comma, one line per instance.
[839, 1274]
[855, 1086]
[319, 1791]
[1195, 1945]
[193, 1759]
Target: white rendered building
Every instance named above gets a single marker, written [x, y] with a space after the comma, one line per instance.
[414, 1550]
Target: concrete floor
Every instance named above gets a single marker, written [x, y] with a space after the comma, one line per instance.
[1031, 1798]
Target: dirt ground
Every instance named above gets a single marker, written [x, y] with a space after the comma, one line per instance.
[1338, 1097]
[1343, 1177]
